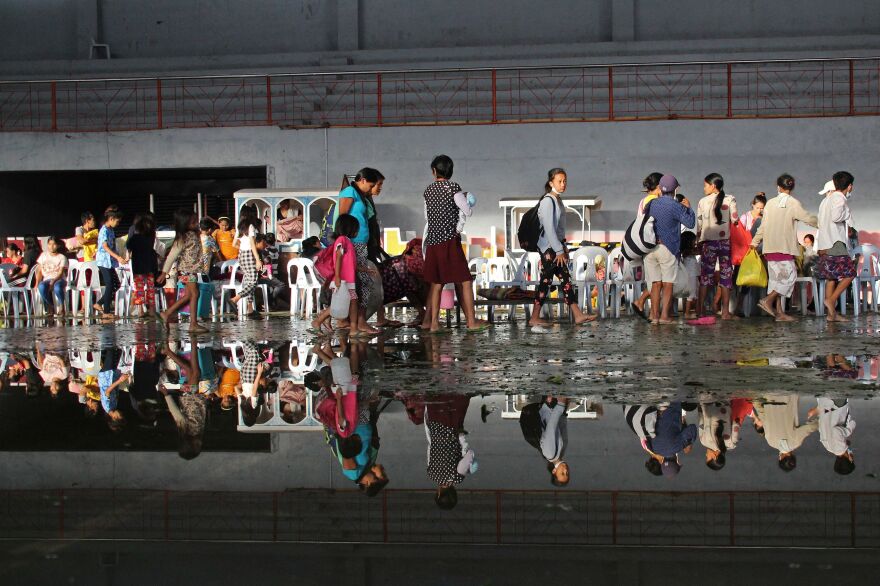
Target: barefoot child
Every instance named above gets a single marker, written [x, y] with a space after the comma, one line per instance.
[144, 264]
[338, 263]
[187, 253]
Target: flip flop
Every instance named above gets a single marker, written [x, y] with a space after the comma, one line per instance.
[707, 320]
[481, 328]
[639, 312]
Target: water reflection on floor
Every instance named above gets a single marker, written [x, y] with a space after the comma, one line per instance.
[608, 409]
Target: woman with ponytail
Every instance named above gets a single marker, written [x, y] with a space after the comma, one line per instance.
[715, 213]
[554, 253]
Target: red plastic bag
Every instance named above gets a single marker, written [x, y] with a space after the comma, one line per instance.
[740, 241]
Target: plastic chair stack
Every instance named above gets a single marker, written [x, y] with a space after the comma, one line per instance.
[304, 288]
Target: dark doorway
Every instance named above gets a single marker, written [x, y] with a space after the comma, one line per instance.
[50, 202]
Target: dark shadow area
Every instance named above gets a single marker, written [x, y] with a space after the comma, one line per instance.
[50, 202]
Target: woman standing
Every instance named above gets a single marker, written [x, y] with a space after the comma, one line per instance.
[354, 200]
[749, 218]
[444, 259]
[554, 253]
[715, 212]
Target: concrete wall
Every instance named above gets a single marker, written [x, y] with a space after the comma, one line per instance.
[401, 24]
[216, 36]
[605, 159]
[699, 19]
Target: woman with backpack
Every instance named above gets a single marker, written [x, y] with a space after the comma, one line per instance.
[554, 254]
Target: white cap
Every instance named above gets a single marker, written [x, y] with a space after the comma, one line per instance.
[829, 187]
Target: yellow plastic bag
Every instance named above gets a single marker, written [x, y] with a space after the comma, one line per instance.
[752, 272]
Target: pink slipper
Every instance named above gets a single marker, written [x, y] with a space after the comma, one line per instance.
[706, 320]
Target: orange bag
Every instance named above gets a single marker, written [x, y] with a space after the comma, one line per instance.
[740, 241]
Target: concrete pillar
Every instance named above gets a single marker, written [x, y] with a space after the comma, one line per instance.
[347, 25]
[86, 27]
[623, 20]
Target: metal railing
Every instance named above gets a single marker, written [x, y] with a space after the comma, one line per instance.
[660, 91]
[722, 519]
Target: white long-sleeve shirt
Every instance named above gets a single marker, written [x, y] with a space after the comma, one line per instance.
[835, 426]
[551, 214]
[834, 219]
[553, 431]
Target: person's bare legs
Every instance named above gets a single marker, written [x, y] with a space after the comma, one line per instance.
[780, 310]
[640, 302]
[767, 304]
[535, 319]
[666, 291]
[656, 289]
[434, 306]
[701, 300]
[194, 294]
[467, 304]
[725, 304]
[833, 291]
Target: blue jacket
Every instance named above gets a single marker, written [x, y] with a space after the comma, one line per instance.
[672, 436]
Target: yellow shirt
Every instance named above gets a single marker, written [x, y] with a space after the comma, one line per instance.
[90, 251]
[225, 239]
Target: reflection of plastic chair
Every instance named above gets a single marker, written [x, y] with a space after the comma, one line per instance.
[305, 286]
[126, 360]
[90, 362]
[88, 283]
[585, 276]
[307, 361]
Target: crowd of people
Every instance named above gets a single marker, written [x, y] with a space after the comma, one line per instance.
[694, 251]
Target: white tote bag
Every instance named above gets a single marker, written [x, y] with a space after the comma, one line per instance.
[340, 301]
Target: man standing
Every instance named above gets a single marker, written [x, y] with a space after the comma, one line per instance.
[661, 264]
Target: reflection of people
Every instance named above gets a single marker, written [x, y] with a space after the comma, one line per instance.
[189, 406]
[836, 427]
[673, 435]
[720, 423]
[450, 458]
[545, 427]
[109, 381]
[642, 419]
[777, 417]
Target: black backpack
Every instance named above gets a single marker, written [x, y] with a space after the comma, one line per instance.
[530, 424]
[530, 227]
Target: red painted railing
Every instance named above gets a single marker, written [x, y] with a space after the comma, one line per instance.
[710, 90]
[648, 518]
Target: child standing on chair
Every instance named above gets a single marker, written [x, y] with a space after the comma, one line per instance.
[554, 254]
[339, 262]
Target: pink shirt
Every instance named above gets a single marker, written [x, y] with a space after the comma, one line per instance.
[326, 262]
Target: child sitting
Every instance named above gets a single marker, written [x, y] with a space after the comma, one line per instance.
[51, 276]
[338, 262]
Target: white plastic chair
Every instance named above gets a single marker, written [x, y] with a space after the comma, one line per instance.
[88, 282]
[869, 275]
[308, 360]
[614, 286]
[234, 286]
[305, 287]
[15, 295]
[584, 262]
[498, 271]
[123, 294]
